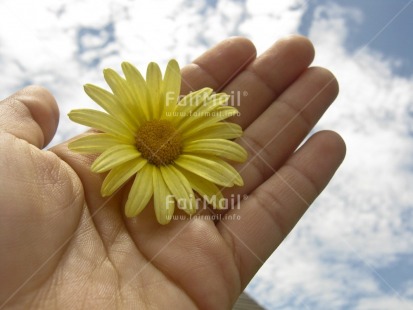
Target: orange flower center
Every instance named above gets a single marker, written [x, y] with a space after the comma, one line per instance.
[158, 142]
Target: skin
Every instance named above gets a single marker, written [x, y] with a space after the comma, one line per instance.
[64, 246]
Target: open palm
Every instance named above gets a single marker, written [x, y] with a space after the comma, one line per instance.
[64, 246]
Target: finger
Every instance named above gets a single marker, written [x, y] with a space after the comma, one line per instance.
[272, 210]
[30, 114]
[256, 87]
[218, 66]
[274, 136]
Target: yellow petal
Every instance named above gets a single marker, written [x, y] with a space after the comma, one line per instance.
[154, 82]
[171, 85]
[213, 169]
[206, 189]
[121, 90]
[163, 200]
[101, 121]
[180, 188]
[196, 123]
[120, 174]
[140, 193]
[221, 130]
[203, 111]
[193, 100]
[114, 156]
[187, 107]
[215, 101]
[138, 86]
[95, 143]
[105, 99]
[217, 147]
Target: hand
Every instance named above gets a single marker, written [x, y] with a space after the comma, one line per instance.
[64, 246]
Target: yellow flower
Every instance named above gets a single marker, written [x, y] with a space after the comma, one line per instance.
[173, 145]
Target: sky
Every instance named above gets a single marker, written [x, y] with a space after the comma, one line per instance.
[354, 248]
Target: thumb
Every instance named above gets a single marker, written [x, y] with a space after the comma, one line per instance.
[40, 195]
[30, 114]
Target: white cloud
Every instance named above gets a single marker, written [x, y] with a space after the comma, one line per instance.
[267, 21]
[371, 114]
[358, 226]
[384, 303]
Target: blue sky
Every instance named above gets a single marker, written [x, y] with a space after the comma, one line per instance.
[385, 27]
[354, 247]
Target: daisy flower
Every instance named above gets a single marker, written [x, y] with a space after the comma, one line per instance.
[172, 146]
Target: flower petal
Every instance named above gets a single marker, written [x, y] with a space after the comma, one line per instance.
[206, 189]
[141, 192]
[221, 130]
[180, 188]
[101, 121]
[154, 82]
[206, 119]
[215, 101]
[140, 90]
[122, 91]
[171, 85]
[120, 174]
[217, 147]
[193, 100]
[163, 200]
[204, 110]
[213, 169]
[94, 143]
[105, 99]
[187, 107]
[114, 156]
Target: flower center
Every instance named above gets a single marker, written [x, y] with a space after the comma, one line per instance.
[158, 142]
